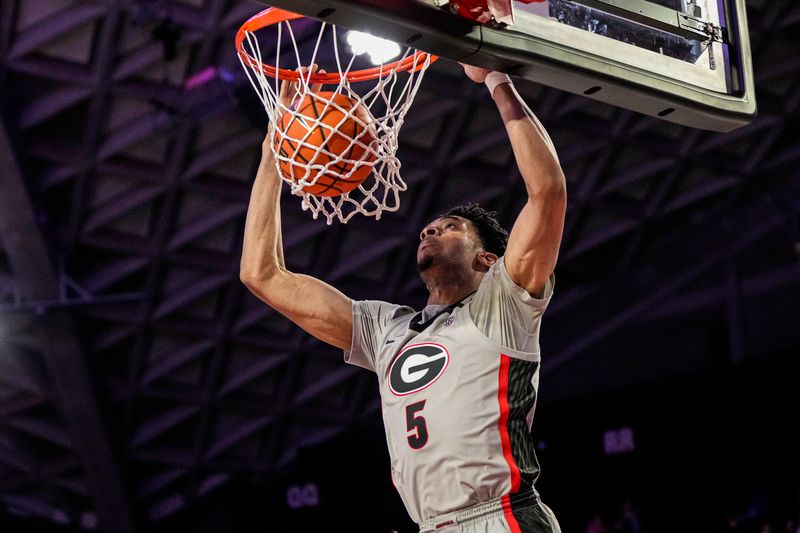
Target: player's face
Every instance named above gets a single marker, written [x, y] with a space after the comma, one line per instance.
[451, 240]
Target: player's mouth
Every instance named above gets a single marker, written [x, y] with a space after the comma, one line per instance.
[427, 242]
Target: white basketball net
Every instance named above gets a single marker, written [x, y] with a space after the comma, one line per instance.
[388, 101]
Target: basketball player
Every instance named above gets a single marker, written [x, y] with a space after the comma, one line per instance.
[458, 380]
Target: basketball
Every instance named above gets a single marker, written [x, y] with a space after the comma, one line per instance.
[317, 134]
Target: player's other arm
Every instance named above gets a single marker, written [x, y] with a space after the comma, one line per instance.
[536, 235]
[312, 304]
[533, 244]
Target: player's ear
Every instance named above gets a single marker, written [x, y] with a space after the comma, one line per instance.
[484, 260]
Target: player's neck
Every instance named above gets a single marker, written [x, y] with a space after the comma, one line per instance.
[450, 293]
[449, 283]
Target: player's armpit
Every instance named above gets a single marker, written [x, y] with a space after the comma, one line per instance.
[318, 308]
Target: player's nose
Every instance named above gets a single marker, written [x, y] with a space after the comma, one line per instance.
[427, 232]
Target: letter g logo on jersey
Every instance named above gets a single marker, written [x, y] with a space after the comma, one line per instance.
[417, 367]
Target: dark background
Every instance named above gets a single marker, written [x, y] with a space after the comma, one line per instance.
[142, 388]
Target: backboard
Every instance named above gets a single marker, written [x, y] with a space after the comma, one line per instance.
[685, 61]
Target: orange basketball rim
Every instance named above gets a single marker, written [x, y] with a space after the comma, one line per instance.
[273, 15]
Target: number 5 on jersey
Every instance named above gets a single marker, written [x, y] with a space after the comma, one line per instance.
[415, 423]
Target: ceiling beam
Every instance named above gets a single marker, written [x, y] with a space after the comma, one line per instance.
[32, 263]
[755, 222]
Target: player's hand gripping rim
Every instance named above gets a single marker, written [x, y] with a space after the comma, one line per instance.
[291, 91]
[288, 96]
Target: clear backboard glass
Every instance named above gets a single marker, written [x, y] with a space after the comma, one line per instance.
[614, 27]
[694, 59]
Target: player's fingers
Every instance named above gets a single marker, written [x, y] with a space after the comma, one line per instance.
[317, 86]
[476, 74]
[287, 93]
[307, 72]
[290, 89]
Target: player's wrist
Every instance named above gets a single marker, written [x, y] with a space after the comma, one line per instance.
[494, 79]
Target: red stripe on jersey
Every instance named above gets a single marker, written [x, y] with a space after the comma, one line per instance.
[509, 514]
[502, 398]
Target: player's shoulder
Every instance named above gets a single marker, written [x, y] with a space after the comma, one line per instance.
[497, 279]
[381, 309]
[497, 273]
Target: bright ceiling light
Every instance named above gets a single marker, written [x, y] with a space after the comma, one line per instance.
[380, 51]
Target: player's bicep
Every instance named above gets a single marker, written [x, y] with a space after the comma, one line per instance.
[318, 308]
[533, 244]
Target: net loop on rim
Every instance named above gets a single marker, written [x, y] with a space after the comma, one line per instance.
[384, 102]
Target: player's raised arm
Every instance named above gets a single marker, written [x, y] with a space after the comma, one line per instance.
[312, 304]
[533, 244]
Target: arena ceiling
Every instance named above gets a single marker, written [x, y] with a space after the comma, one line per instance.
[137, 373]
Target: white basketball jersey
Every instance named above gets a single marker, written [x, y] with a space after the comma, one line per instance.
[458, 387]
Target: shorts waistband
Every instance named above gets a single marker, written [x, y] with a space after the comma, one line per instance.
[479, 510]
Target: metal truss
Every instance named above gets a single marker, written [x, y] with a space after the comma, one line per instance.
[135, 185]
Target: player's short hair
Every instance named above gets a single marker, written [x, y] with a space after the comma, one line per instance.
[493, 237]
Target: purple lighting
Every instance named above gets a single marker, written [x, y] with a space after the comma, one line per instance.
[617, 441]
[201, 78]
[299, 496]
